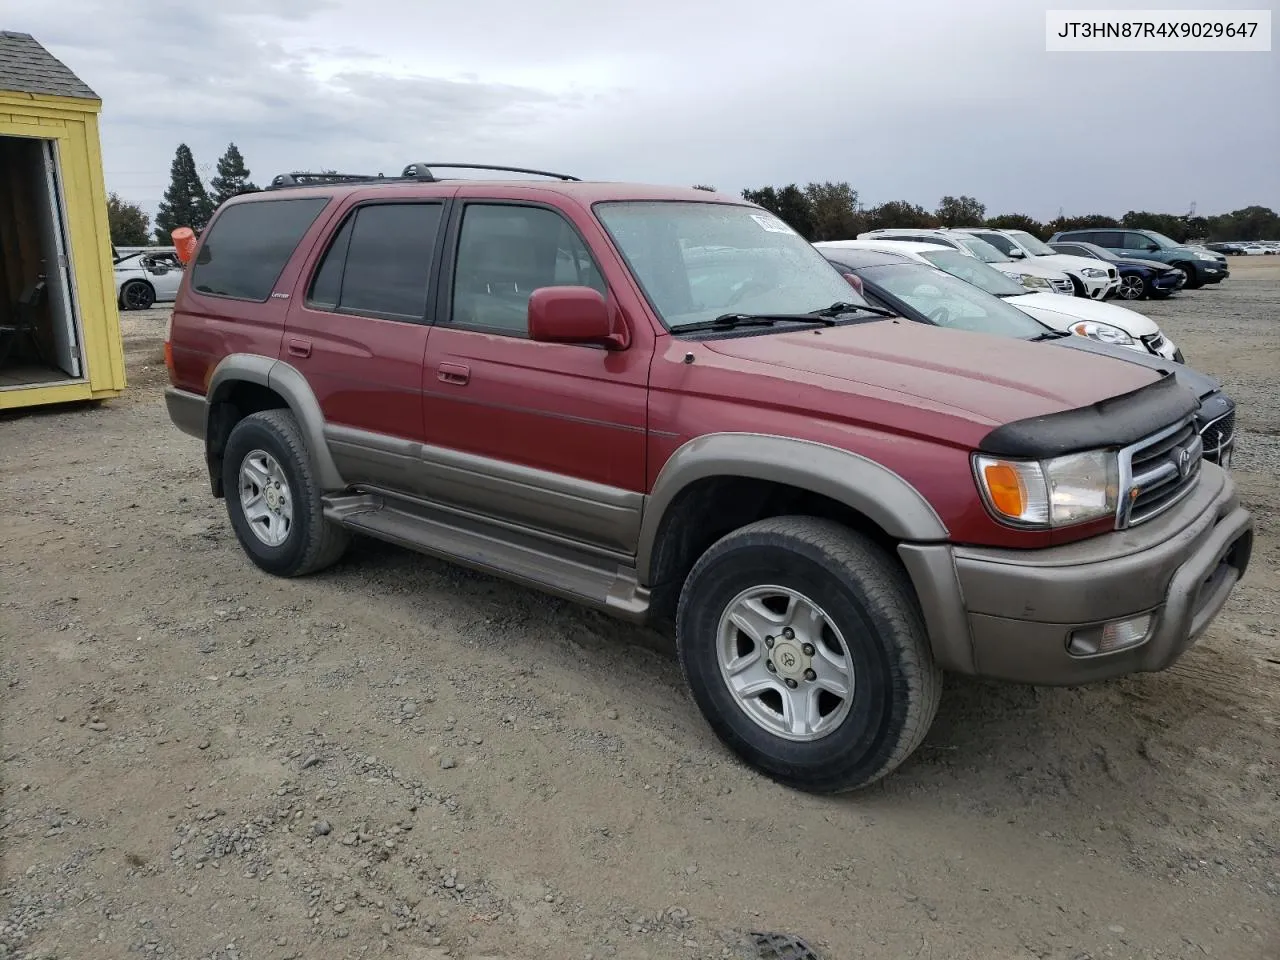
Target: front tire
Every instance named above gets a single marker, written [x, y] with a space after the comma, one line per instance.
[1193, 278]
[1134, 287]
[137, 295]
[804, 648]
[273, 499]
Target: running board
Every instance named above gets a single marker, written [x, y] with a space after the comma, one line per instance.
[513, 554]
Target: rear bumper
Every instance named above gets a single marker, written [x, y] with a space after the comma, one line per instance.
[1012, 615]
[186, 410]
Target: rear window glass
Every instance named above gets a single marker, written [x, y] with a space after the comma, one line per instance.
[380, 262]
[249, 244]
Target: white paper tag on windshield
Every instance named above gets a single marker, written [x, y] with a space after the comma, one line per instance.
[772, 224]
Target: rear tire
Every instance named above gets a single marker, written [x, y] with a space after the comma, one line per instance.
[860, 601]
[273, 499]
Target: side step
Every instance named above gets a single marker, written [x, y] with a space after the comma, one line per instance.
[512, 553]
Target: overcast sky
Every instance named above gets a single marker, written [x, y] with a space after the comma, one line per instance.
[905, 99]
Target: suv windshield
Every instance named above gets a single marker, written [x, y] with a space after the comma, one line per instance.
[1032, 244]
[950, 302]
[697, 261]
[975, 272]
[983, 250]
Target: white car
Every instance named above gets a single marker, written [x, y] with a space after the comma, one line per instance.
[1094, 280]
[1103, 322]
[147, 276]
[1035, 277]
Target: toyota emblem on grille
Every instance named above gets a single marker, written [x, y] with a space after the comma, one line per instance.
[1184, 462]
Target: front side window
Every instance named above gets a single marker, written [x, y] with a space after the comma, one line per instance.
[247, 246]
[1141, 242]
[507, 251]
[999, 241]
[950, 302]
[379, 263]
[1032, 244]
[975, 272]
[697, 261]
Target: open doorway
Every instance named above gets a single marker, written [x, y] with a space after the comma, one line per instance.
[40, 342]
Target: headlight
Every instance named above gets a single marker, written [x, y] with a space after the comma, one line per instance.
[1032, 283]
[1049, 493]
[1207, 256]
[1102, 332]
[1093, 273]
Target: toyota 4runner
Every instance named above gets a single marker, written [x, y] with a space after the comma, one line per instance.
[666, 404]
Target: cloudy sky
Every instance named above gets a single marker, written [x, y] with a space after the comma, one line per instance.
[905, 99]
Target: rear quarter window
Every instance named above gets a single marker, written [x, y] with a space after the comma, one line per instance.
[249, 244]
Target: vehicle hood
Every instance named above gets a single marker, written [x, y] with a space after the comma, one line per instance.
[984, 379]
[1060, 312]
[1030, 267]
[1066, 261]
[1135, 262]
[1201, 384]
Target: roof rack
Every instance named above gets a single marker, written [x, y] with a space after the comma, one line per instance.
[300, 179]
[420, 172]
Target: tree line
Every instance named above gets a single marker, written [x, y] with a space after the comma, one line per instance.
[817, 211]
[187, 202]
[830, 211]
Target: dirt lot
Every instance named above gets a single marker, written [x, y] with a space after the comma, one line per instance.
[399, 758]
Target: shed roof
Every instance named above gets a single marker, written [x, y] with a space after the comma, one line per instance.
[27, 67]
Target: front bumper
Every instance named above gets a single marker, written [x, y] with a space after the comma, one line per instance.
[1212, 272]
[1099, 288]
[1011, 614]
[1170, 282]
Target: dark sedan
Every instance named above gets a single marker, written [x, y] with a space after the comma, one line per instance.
[1139, 279]
[928, 295]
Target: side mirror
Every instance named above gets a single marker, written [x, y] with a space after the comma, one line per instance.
[573, 315]
[1152, 247]
[1015, 253]
[158, 268]
[853, 281]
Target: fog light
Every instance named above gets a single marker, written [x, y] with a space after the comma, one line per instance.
[1110, 637]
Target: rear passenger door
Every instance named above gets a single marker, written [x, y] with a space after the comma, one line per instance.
[549, 436]
[357, 331]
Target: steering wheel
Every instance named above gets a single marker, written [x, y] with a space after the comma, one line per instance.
[941, 316]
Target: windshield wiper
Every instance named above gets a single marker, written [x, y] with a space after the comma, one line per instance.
[841, 306]
[1050, 335]
[732, 321]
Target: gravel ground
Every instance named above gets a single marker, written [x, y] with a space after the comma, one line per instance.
[400, 758]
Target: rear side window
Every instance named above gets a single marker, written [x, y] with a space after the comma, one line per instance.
[379, 263]
[249, 244]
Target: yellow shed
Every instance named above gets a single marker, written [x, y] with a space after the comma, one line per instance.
[59, 324]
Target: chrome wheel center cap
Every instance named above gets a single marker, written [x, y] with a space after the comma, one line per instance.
[273, 497]
[789, 659]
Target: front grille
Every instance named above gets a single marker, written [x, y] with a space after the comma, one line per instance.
[1063, 286]
[1157, 472]
[1217, 435]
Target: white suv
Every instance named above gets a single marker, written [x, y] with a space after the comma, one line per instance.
[1103, 322]
[1094, 279]
[1035, 277]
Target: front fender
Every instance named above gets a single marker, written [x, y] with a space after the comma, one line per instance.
[870, 488]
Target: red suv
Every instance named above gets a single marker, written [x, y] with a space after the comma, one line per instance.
[665, 403]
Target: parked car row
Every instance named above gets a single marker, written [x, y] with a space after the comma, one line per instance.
[1129, 265]
[1247, 248]
[832, 483]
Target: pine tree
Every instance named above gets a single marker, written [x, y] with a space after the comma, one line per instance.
[130, 226]
[186, 203]
[233, 177]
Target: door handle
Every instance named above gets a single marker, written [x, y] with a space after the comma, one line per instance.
[453, 373]
[299, 348]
